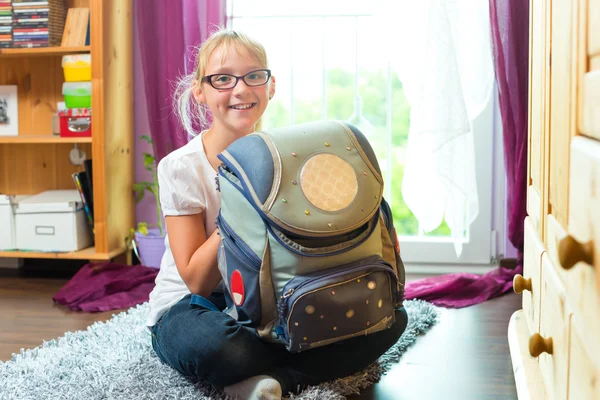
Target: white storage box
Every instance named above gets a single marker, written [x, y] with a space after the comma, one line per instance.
[7, 221]
[52, 221]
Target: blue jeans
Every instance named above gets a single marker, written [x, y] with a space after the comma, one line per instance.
[201, 342]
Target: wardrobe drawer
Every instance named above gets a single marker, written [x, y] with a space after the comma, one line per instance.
[593, 33]
[553, 338]
[554, 234]
[590, 125]
[532, 256]
[580, 251]
[534, 208]
[584, 368]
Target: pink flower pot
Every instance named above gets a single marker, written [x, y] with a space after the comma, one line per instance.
[151, 248]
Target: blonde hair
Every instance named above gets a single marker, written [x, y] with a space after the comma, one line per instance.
[192, 113]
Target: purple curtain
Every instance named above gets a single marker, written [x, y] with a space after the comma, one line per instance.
[510, 41]
[169, 32]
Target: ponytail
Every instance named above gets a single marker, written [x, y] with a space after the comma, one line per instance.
[189, 112]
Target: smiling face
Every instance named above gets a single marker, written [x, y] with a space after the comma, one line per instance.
[234, 110]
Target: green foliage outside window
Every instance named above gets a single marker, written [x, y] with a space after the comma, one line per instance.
[340, 105]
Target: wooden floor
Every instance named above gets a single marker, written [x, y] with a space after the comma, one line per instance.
[465, 356]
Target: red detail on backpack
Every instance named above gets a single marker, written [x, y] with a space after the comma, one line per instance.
[237, 288]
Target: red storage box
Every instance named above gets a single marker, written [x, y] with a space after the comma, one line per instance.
[75, 122]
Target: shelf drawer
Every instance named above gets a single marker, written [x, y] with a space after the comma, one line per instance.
[532, 257]
[555, 322]
[583, 279]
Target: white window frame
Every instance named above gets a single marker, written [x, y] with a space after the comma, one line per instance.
[486, 241]
[428, 254]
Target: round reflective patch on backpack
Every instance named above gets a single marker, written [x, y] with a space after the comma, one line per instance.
[328, 182]
[237, 288]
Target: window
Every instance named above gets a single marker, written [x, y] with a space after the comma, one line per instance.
[331, 62]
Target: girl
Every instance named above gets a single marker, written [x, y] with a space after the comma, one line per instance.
[233, 81]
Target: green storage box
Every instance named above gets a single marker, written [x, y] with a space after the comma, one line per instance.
[77, 94]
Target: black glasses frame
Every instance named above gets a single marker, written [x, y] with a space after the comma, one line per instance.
[208, 79]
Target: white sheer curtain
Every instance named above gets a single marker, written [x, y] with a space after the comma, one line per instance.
[441, 51]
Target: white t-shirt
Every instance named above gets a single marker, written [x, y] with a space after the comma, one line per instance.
[187, 185]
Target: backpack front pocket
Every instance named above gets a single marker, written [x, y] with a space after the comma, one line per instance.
[243, 269]
[327, 306]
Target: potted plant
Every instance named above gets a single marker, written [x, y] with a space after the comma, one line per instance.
[149, 239]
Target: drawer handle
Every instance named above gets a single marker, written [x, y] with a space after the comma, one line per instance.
[520, 284]
[539, 344]
[570, 252]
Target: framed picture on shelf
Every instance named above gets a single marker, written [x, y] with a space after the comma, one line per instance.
[9, 112]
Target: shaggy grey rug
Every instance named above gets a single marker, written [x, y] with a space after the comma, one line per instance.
[115, 360]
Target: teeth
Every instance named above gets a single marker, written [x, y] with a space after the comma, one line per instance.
[241, 107]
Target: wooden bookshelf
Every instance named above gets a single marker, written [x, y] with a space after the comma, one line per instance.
[43, 51]
[35, 160]
[43, 139]
[89, 253]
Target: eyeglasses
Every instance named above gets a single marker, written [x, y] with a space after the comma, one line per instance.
[226, 81]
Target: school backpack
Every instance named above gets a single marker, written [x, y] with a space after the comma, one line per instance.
[308, 252]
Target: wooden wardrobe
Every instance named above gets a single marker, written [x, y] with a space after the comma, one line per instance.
[555, 338]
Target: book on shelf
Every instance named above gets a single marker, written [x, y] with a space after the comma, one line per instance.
[29, 45]
[6, 21]
[87, 168]
[85, 192]
[27, 3]
[88, 186]
[35, 23]
[30, 31]
[30, 24]
[76, 27]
